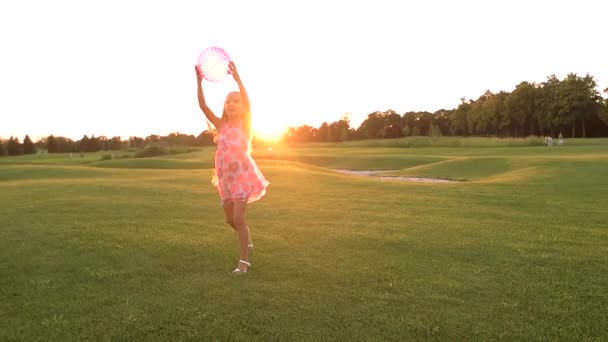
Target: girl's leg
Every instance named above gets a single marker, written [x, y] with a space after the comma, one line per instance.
[229, 212]
[242, 231]
[250, 245]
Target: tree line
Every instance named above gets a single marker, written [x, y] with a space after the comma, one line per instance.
[572, 106]
[58, 144]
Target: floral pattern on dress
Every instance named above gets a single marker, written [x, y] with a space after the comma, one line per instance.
[237, 176]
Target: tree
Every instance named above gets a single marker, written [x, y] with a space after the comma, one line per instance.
[603, 114]
[441, 119]
[28, 145]
[93, 144]
[353, 134]
[9, 143]
[65, 145]
[550, 104]
[84, 143]
[373, 126]
[531, 109]
[306, 134]
[14, 147]
[2, 150]
[408, 121]
[459, 118]
[302, 134]
[583, 100]
[324, 132]
[422, 123]
[40, 144]
[501, 119]
[338, 130]
[116, 143]
[102, 142]
[180, 139]
[435, 131]
[51, 144]
[521, 104]
[478, 118]
[203, 138]
[152, 139]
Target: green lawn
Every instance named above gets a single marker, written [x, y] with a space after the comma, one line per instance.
[136, 248]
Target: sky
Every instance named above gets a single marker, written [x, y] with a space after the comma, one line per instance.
[124, 68]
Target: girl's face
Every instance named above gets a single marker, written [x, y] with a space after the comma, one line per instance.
[233, 106]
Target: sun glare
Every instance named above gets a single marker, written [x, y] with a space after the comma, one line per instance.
[268, 130]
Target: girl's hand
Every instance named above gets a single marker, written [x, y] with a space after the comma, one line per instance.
[199, 74]
[234, 72]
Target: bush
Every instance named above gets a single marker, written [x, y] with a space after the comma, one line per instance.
[152, 150]
[161, 149]
[180, 149]
[534, 141]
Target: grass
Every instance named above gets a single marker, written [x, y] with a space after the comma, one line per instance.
[136, 249]
[154, 163]
[439, 141]
[464, 168]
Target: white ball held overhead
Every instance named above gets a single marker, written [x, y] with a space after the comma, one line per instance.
[214, 64]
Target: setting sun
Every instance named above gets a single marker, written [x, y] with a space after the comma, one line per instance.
[268, 129]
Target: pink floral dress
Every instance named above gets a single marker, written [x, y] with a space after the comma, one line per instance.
[237, 177]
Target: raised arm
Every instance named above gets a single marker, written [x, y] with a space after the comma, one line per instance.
[242, 90]
[215, 121]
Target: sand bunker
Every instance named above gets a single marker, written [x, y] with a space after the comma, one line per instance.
[377, 174]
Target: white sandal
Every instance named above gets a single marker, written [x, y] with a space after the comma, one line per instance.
[237, 270]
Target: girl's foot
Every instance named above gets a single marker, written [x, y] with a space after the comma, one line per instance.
[243, 267]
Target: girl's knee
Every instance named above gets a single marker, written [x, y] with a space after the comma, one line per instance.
[239, 222]
[238, 216]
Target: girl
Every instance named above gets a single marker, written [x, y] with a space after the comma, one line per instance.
[237, 177]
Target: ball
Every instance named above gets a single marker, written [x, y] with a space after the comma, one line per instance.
[214, 64]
